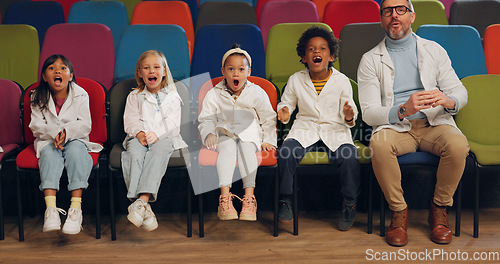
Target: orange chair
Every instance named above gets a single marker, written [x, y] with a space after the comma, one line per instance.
[208, 157]
[491, 42]
[320, 6]
[340, 13]
[165, 12]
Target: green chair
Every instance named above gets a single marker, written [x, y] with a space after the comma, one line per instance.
[317, 158]
[428, 12]
[480, 123]
[281, 57]
[19, 54]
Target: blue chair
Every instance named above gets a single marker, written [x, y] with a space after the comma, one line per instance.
[415, 160]
[463, 45]
[220, 38]
[40, 15]
[136, 39]
[113, 14]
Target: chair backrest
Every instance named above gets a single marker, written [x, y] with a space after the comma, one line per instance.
[276, 12]
[355, 40]
[244, 1]
[117, 98]
[193, 6]
[281, 55]
[428, 12]
[447, 6]
[479, 120]
[40, 15]
[97, 105]
[5, 3]
[478, 13]
[463, 45]
[129, 4]
[113, 14]
[11, 128]
[165, 12]
[89, 47]
[66, 5]
[136, 39]
[339, 13]
[491, 43]
[19, 53]
[215, 12]
[320, 6]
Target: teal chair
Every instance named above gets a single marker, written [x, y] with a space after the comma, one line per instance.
[480, 123]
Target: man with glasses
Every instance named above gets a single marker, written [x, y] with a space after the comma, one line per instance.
[409, 92]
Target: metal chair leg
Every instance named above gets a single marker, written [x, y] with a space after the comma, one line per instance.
[189, 209]
[201, 231]
[370, 204]
[112, 205]
[97, 177]
[295, 206]
[19, 208]
[476, 202]
[276, 204]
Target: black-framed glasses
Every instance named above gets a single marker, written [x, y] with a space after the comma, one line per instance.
[400, 10]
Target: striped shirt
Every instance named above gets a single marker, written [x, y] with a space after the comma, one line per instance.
[319, 84]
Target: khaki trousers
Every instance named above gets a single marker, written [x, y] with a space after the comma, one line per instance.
[445, 141]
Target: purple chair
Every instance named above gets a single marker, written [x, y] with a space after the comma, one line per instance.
[89, 47]
[277, 12]
[447, 6]
[11, 136]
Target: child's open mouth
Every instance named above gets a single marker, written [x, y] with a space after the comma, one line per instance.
[152, 79]
[317, 59]
[236, 82]
[57, 80]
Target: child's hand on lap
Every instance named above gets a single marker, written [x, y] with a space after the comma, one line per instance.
[348, 112]
[267, 147]
[141, 136]
[211, 142]
[59, 140]
[151, 137]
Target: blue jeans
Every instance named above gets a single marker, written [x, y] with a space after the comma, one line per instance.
[75, 158]
[143, 167]
[345, 158]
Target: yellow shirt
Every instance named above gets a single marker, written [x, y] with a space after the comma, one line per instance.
[319, 84]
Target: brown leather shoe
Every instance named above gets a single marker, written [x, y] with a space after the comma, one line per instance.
[396, 234]
[438, 222]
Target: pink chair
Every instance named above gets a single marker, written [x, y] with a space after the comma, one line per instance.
[89, 47]
[339, 13]
[447, 6]
[277, 12]
[66, 5]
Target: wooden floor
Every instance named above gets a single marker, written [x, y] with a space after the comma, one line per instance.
[243, 242]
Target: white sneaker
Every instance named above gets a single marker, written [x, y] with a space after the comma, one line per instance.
[73, 224]
[52, 221]
[150, 223]
[137, 212]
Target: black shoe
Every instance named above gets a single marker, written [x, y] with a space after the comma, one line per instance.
[286, 211]
[347, 217]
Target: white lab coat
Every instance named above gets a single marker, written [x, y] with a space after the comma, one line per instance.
[376, 81]
[250, 117]
[164, 124]
[74, 117]
[320, 117]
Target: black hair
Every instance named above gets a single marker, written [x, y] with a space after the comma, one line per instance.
[41, 94]
[314, 31]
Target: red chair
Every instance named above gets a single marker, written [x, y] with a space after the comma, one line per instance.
[11, 135]
[339, 13]
[27, 162]
[208, 157]
[491, 42]
[89, 47]
[166, 12]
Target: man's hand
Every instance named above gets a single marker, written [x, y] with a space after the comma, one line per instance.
[59, 140]
[283, 114]
[267, 147]
[211, 141]
[141, 136]
[427, 99]
[348, 112]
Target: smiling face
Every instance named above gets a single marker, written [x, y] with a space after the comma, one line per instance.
[58, 75]
[397, 26]
[236, 71]
[152, 72]
[317, 56]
